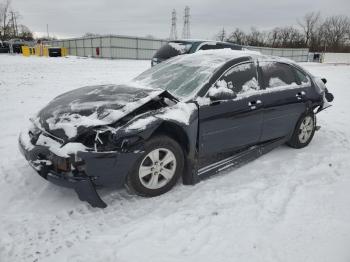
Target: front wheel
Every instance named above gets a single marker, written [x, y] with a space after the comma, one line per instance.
[304, 131]
[159, 168]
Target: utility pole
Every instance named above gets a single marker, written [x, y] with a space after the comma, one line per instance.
[186, 33]
[173, 31]
[47, 30]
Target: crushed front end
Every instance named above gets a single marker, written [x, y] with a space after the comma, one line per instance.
[74, 165]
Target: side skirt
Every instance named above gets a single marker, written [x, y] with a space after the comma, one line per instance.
[240, 159]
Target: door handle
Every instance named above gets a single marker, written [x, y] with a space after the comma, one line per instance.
[300, 95]
[253, 104]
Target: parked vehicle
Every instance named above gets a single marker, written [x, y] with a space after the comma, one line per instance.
[4, 47]
[55, 51]
[180, 47]
[190, 116]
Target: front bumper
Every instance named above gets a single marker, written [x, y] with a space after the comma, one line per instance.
[99, 169]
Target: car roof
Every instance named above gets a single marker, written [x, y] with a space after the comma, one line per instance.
[229, 54]
[192, 41]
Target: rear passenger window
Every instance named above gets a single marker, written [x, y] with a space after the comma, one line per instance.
[302, 78]
[277, 74]
[241, 79]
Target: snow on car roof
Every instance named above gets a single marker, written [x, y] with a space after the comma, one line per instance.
[201, 40]
[212, 58]
[228, 54]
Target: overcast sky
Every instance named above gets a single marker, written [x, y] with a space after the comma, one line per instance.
[69, 18]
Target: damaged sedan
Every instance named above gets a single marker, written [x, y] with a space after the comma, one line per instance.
[186, 118]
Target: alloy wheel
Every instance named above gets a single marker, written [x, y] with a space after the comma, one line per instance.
[305, 129]
[157, 168]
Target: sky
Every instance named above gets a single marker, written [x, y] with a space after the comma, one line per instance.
[73, 18]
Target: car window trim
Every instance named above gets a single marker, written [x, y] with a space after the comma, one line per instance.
[241, 63]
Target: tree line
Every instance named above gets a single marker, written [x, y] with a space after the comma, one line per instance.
[9, 24]
[331, 34]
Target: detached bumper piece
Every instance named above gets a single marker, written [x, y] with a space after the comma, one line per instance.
[58, 171]
[84, 188]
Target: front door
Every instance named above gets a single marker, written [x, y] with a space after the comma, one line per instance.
[232, 124]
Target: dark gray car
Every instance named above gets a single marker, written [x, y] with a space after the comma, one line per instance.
[190, 116]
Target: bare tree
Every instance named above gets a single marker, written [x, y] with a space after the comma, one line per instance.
[4, 18]
[256, 38]
[273, 37]
[8, 21]
[309, 24]
[332, 35]
[25, 33]
[238, 37]
[335, 30]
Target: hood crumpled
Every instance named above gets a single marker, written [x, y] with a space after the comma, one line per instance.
[71, 113]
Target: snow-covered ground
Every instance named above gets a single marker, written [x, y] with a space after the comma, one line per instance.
[289, 205]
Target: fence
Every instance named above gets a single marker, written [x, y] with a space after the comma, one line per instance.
[296, 54]
[111, 46]
[125, 47]
[341, 58]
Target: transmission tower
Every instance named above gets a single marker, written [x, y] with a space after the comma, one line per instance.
[186, 33]
[173, 31]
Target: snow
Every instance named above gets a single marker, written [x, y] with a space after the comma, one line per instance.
[289, 205]
[181, 112]
[140, 123]
[220, 87]
[57, 149]
[182, 48]
[101, 110]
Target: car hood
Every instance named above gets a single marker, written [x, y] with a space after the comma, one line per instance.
[72, 113]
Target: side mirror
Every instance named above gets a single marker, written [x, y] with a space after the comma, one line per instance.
[217, 95]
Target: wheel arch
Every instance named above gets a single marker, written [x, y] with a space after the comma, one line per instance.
[174, 131]
[179, 134]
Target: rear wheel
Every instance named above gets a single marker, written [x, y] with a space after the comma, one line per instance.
[304, 131]
[159, 168]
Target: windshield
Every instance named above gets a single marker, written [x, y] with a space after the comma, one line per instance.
[183, 76]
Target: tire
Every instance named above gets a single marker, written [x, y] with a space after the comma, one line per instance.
[152, 176]
[304, 131]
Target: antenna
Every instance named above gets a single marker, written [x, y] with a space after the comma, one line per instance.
[173, 31]
[186, 33]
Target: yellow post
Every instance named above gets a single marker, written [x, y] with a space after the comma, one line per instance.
[46, 51]
[25, 51]
[64, 51]
[38, 49]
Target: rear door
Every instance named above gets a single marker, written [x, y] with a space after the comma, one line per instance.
[230, 125]
[284, 96]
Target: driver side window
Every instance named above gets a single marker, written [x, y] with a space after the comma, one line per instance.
[240, 79]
